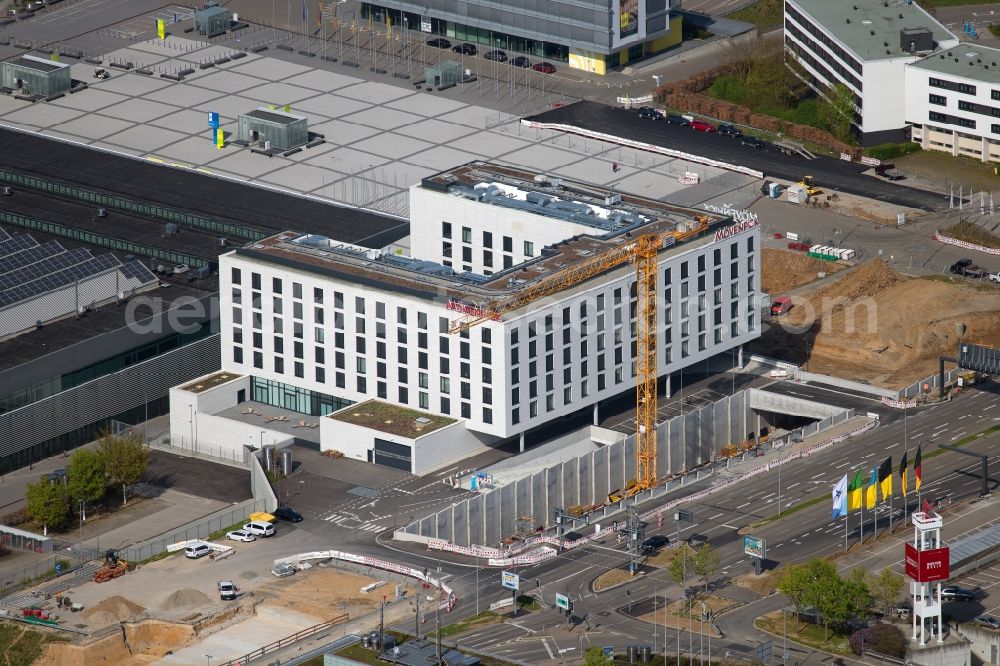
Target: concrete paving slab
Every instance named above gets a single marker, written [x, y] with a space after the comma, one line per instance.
[473, 116]
[541, 157]
[139, 59]
[140, 110]
[331, 106]
[186, 121]
[228, 81]
[392, 145]
[242, 161]
[230, 106]
[135, 85]
[383, 118]
[170, 47]
[208, 54]
[342, 132]
[193, 150]
[270, 69]
[184, 95]
[409, 174]
[40, 114]
[90, 99]
[322, 81]
[232, 642]
[309, 153]
[93, 125]
[435, 130]
[303, 177]
[374, 92]
[643, 183]
[280, 94]
[8, 104]
[145, 138]
[427, 105]
[489, 143]
[348, 160]
[442, 157]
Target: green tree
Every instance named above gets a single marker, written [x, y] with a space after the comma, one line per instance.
[125, 458]
[886, 588]
[85, 476]
[47, 504]
[706, 563]
[793, 584]
[823, 590]
[839, 110]
[595, 657]
[682, 565]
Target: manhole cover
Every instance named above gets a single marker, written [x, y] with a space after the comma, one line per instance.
[604, 613]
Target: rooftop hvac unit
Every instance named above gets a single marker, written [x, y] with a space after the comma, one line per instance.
[170, 229]
[102, 212]
[222, 242]
[7, 191]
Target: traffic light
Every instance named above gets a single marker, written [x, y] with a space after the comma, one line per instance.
[538, 584]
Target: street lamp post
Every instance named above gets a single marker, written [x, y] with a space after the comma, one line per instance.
[208, 660]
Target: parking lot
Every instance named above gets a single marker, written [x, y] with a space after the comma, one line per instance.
[986, 584]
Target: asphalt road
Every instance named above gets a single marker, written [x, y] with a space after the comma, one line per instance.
[830, 174]
[810, 533]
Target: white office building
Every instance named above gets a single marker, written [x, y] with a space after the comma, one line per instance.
[317, 327]
[866, 45]
[953, 101]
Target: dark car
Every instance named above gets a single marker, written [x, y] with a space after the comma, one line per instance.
[955, 593]
[521, 61]
[729, 130]
[654, 543]
[697, 540]
[439, 42]
[648, 112]
[496, 55]
[752, 142]
[674, 119]
[545, 68]
[465, 49]
[287, 513]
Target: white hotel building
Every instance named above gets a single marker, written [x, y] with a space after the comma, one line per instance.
[315, 326]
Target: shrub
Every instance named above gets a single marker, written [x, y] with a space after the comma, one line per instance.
[885, 639]
[888, 151]
[728, 87]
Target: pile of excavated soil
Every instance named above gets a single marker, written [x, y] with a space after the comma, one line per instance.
[324, 592]
[878, 326]
[782, 270]
[112, 611]
[185, 598]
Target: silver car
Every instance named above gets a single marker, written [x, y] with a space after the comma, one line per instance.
[282, 570]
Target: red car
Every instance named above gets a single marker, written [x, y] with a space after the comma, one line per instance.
[702, 126]
[545, 68]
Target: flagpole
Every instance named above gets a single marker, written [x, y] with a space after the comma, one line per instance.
[862, 537]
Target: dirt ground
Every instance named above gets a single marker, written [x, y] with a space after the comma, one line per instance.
[324, 593]
[784, 269]
[675, 614]
[878, 326]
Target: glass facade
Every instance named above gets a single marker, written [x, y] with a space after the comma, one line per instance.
[466, 33]
[296, 399]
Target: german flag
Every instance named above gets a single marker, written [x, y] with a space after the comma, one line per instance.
[917, 474]
[885, 477]
[854, 498]
[902, 474]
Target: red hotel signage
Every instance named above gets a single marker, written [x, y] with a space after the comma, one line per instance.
[927, 566]
[473, 310]
[738, 228]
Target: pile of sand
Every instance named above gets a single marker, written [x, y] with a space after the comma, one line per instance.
[325, 592]
[878, 326]
[111, 611]
[185, 598]
[782, 270]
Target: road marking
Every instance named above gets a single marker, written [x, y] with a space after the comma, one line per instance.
[545, 642]
[743, 505]
[843, 464]
[792, 486]
[715, 516]
[965, 416]
[732, 527]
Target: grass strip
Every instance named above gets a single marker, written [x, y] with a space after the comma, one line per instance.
[811, 635]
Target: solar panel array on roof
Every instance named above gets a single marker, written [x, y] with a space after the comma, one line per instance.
[4, 235]
[12, 262]
[62, 278]
[137, 270]
[45, 267]
[16, 244]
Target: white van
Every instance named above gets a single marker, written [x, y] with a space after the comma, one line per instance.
[259, 528]
[196, 550]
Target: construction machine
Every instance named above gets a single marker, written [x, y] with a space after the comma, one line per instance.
[113, 567]
[643, 252]
[811, 189]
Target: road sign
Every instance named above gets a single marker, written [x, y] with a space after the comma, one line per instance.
[58, 567]
[562, 601]
[684, 516]
[609, 651]
[764, 652]
[754, 547]
[510, 580]
[213, 119]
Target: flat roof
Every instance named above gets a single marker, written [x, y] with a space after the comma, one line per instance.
[205, 383]
[682, 228]
[392, 419]
[38, 64]
[871, 29]
[970, 61]
[274, 116]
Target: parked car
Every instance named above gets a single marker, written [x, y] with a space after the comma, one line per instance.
[702, 126]
[287, 513]
[988, 621]
[889, 171]
[521, 61]
[545, 68]
[240, 535]
[967, 268]
[439, 42]
[648, 112]
[729, 130]
[259, 528]
[674, 119]
[751, 142]
[995, 277]
[955, 593]
[496, 55]
[227, 590]
[465, 49]
[282, 570]
[654, 543]
[196, 550]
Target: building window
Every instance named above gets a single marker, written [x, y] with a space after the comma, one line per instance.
[238, 276]
[529, 249]
[995, 129]
[515, 416]
[446, 229]
[487, 415]
[467, 254]
[936, 83]
[487, 258]
[938, 117]
[966, 89]
[508, 244]
[446, 249]
[966, 106]
[300, 370]
[258, 360]
[423, 400]
[255, 280]
[466, 410]
[237, 354]
[279, 365]
[966, 122]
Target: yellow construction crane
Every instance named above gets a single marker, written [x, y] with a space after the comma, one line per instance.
[643, 252]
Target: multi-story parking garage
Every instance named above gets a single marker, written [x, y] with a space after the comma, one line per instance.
[314, 326]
